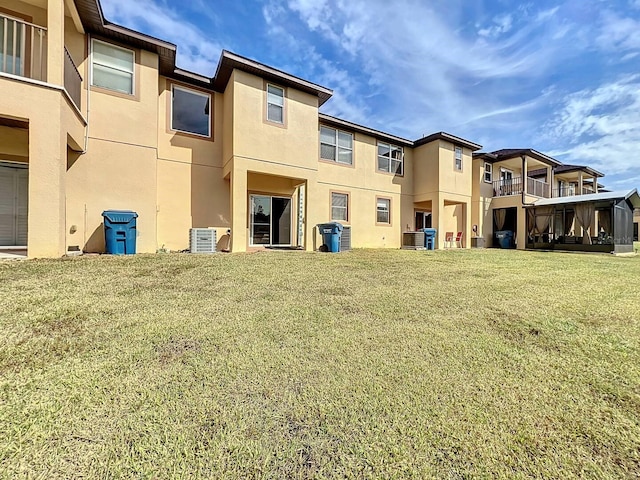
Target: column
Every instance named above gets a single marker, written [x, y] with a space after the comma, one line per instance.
[55, 42]
[239, 211]
[47, 184]
[467, 229]
[437, 219]
[551, 179]
[524, 174]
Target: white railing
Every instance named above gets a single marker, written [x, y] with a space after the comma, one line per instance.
[538, 188]
[513, 186]
[23, 48]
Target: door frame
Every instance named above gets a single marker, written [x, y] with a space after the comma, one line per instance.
[291, 225]
[17, 166]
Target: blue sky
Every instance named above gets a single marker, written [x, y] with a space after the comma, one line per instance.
[562, 77]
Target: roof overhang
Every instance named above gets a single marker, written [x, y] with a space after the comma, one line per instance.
[518, 153]
[230, 61]
[339, 123]
[92, 18]
[447, 137]
[630, 195]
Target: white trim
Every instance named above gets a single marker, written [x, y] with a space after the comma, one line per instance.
[336, 145]
[484, 176]
[281, 122]
[132, 72]
[196, 92]
[457, 149]
[271, 197]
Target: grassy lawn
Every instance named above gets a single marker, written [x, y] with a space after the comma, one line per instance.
[367, 364]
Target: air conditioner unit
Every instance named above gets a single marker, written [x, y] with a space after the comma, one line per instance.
[345, 239]
[202, 240]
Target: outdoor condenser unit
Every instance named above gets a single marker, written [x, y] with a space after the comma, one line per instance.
[202, 240]
[345, 239]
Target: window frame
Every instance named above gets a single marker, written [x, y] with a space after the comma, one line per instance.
[388, 200]
[133, 72]
[170, 111]
[267, 103]
[490, 171]
[336, 137]
[457, 149]
[378, 156]
[347, 208]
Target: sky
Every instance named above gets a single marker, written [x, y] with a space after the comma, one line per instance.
[561, 77]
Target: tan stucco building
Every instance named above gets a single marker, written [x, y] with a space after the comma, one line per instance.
[95, 116]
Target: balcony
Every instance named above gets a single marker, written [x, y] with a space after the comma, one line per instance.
[72, 79]
[513, 186]
[23, 48]
[571, 190]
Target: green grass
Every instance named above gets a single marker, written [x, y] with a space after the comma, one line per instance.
[367, 364]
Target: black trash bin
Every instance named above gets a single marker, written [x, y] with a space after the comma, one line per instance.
[505, 238]
[120, 231]
[331, 233]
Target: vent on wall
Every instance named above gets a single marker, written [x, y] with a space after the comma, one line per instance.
[202, 240]
[345, 239]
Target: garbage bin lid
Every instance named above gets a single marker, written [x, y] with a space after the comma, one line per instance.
[119, 216]
[337, 225]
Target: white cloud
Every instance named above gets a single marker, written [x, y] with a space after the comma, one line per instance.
[196, 52]
[501, 24]
[618, 34]
[601, 127]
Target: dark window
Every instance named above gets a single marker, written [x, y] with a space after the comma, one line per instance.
[190, 111]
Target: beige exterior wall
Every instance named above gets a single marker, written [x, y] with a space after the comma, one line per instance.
[175, 182]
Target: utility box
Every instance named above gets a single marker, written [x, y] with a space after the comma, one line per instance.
[120, 231]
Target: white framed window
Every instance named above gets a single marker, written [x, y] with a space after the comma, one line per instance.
[458, 159]
[340, 206]
[112, 67]
[275, 104]
[383, 211]
[336, 145]
[190, 111]
[390, 158]
[488, 172]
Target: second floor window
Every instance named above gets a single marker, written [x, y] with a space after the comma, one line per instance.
[336, 146]
[458, 159]
[390, 158]
[112, 67]
[190, 111]
[275, 104]
[488, 172]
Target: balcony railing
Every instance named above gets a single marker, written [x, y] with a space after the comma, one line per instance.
[513, 186]
[571, 190]
[23, 48]
[72, 79]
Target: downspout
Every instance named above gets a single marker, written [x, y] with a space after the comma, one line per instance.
[89, 80]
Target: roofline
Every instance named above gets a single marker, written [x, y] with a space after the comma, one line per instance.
[335, 121]
[233, 60]
[449, 138]
[591, 197]
[138, 35]
[589, 170]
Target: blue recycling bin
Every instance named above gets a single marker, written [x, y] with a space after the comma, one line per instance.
[430, 238]
[331, 233]
[505, 238]
[120, 231]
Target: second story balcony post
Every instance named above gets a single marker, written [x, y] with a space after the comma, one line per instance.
[580, 189]
[524, 174]
[55, 42]
[551, 180]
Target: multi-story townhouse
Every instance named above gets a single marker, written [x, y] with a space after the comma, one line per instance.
[95, 116]
[549, 205]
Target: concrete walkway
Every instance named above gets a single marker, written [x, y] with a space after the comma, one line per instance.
[13, 254]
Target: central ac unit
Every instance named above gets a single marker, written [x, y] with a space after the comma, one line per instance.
[202, 240]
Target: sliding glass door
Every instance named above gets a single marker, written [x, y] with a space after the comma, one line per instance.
[270, 221]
